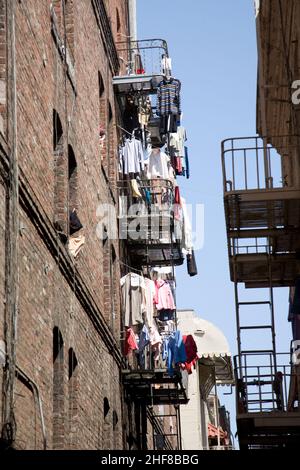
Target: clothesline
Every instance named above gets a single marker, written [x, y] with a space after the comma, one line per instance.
[139, 271]
[124, 130]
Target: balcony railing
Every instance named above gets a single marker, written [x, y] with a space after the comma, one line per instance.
[146, 62]
[144, 56]
[262, 385]
[147, 211]
[252, 163]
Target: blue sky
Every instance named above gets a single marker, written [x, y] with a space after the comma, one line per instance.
[213, 49]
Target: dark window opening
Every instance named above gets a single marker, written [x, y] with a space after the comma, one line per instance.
[115, 420]
[58, 344]
[110, 113]
[74, 222]
[72, 363]
[106, 407]
[73, 399]
[72, 179]
[102, 120]
[57, 133]
[101, 85]
[60, 189]
[58, 389]
[118, 21]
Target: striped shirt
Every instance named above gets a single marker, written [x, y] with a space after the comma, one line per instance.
[168, 97]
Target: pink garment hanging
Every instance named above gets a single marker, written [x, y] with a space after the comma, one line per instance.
[164, 297]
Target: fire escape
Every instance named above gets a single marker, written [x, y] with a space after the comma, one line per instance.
[262, 220]
[151, 238]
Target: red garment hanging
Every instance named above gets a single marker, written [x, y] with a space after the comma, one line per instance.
[130, 342]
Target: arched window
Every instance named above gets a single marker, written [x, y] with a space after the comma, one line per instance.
[60, 186]
[102, 121]
[115, 420]
[106, 434]
[73, 399]
[72, 179]
[106, 407]
[58, 389]
[118, 20]
[110, 160]
[57, 133]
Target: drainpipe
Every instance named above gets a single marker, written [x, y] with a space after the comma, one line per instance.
[12, 242]
[132, 20]
[38, 401]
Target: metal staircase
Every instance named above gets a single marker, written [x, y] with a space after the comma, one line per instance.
[263, 227]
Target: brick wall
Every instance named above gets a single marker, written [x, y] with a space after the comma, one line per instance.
[72, 405]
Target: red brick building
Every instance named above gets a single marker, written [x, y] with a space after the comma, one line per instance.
[60, 314]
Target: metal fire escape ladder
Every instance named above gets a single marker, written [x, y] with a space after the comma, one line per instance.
[262, 219]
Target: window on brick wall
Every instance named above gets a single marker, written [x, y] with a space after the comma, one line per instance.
[118, 21]
[110, 138]
[74, 222]
[115, 420]
[72, 179]
[106, 434]
[3, 67]
[60, 186]
[58, 389]
[102, 119]
[113, 287]
[73, 398]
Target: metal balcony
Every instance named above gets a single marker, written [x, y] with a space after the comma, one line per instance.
[147, 223]
[154, 387]
[262, 210]
[265, 397]
[144, 66]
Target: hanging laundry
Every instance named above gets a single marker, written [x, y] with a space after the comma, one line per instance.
[130, 342]
[168, 124]
[158, 165]
[187, 164]
[149, 295]
[147, 152]
[74, 224]
[144, 340]
[75, 244]
[191, 264]
[138, 65]
[144, 110]
[168, 104]
[187, 244]
[133, 299]
[166, 65]
[130, 114]
[168, 97]
[155, 341]
[191, 353]
[174, 351]
[163, 297]
[135, 188]
[177, 141]
[131, 156]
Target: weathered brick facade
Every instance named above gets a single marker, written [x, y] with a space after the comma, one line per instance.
[68, 329]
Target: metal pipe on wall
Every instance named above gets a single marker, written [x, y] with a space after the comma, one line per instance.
[12, 240]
